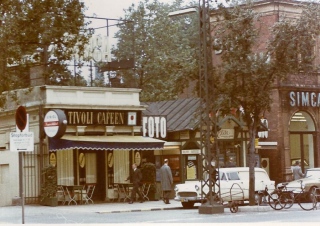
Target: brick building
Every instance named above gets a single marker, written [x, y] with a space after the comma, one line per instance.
[293, 122]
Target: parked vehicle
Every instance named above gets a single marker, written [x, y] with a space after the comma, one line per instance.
[234, 186]
[311, 180]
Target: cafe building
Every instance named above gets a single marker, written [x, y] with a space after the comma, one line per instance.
[92, 135]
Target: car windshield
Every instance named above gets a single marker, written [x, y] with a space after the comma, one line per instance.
[229, 176]
[233, 176]
[313, 173]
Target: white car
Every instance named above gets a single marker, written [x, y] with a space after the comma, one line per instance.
[234, 186]
[311, 180]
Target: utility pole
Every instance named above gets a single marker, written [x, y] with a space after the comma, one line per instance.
[208, 122]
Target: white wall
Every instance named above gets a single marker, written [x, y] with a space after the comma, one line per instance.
[9, 177]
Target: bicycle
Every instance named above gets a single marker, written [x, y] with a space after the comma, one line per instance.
[273, 198]
[306, 200]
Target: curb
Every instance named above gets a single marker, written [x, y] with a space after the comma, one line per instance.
[139, 210]
[254, 208]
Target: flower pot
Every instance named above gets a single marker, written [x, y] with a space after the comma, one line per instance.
[49, 201]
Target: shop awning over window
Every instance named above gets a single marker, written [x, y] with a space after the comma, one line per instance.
[105, 143]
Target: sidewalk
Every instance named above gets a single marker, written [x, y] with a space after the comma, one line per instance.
[117, 207]
[107, 207]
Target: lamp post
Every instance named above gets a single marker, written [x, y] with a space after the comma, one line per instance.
[208, 127]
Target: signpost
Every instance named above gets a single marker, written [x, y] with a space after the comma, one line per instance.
[21, 141]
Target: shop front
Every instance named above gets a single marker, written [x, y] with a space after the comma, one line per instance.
[92, 135]
[100, 160]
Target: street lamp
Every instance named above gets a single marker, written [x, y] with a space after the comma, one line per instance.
[206, 95]
[183, 12]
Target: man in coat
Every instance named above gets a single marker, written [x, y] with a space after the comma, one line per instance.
[166, 181]
[136, 178]
[297, 172]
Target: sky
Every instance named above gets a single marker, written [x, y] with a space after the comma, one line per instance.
[110, 9]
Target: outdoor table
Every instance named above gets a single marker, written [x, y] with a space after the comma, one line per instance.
[73, 191]
[124, 190]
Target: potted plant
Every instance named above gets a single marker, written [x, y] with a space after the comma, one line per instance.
[48, 195]
[148, 171]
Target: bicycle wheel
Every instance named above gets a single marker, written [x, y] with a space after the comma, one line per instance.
[307, 200]
[286, 199]
[273, 201]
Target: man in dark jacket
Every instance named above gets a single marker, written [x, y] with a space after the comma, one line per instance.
[136, 178]
[166, 181]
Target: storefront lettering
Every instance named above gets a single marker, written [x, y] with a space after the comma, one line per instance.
[96, 118]
[304, 99]
[79, 118]
[114, 118]
[154, 126]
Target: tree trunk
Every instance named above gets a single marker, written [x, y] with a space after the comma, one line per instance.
[252, 134]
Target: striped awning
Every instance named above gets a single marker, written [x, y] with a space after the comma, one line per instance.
[68, 142]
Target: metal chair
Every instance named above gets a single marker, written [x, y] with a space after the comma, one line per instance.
[61, 195]
[145, 188]
[71, 196]
[87, 197]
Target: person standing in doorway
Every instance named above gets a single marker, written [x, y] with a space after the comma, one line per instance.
[136, 178]
[296, 171]
[166, 181]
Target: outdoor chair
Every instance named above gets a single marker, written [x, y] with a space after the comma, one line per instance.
[87, 197]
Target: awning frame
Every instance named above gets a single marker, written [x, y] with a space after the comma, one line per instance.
[104, 143]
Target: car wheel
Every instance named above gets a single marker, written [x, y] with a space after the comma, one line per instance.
[187, 205]
[233, 207]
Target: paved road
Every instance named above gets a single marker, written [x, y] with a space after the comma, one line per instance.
[149, 212]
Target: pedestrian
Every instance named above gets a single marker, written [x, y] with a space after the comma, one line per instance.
[166, 181]
[136, 178]
[296, 171]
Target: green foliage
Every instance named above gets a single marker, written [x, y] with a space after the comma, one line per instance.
[254, 57]
[165, 49]
[49, 186]
[148, 171]
[247, 72]
[38, 29]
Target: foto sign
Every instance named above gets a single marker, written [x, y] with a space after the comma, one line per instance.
[154, 126]
[21, 141]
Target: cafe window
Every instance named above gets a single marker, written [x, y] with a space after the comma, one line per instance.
[121, 166]
[91, 168]
[65, 171]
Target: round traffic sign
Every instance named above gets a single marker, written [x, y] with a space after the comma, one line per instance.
[21, 117]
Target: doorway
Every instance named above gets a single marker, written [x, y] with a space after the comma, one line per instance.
[302, 140]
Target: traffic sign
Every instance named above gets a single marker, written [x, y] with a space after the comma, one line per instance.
[21, 141]
[21, 118]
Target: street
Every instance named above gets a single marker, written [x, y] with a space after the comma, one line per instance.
[90, 214]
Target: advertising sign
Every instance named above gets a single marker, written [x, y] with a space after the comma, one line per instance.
[21, 141]
[55, 123]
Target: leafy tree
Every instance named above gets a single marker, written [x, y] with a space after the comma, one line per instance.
[250, 66]
[164, 49]
[33, 30]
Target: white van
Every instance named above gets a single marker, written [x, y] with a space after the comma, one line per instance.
[234, 185]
